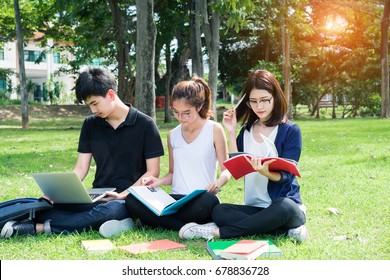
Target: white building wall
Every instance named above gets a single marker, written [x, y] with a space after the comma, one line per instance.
[38, 73]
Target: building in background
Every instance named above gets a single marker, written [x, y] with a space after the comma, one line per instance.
[43, 78]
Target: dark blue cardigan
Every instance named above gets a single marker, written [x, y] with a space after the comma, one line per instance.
[288, 142]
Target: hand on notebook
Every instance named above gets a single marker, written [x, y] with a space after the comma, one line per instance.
[150, 181]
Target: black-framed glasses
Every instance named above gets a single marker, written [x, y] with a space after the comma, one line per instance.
[255, 103]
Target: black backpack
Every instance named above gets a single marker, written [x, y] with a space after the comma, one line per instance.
[21, 209]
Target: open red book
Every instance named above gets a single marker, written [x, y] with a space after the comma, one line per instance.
[239, 166]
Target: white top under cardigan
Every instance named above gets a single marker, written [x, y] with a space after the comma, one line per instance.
[195, 163]
[256, 192]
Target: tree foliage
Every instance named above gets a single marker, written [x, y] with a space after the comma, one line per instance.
[335, 45]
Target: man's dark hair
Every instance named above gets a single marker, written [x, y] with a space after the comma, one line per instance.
[94, 81]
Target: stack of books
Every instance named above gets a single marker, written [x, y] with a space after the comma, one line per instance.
[242, 249]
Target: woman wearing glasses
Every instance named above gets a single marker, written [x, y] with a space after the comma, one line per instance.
[272, 199]
[196, 146]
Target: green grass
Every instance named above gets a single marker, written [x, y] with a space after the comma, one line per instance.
[344, 165]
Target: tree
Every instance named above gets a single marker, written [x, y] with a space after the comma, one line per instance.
[171, 18]
[22, 70]
[30, 88]
[145, 95]
[385, 112]
[96, 30]
[125, 74]
[196, 38]
[212, 10]
[211, 22]
[286, 54]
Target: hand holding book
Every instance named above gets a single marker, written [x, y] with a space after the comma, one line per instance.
[239, 165]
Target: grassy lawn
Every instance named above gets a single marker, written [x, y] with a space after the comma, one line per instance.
[344, 165]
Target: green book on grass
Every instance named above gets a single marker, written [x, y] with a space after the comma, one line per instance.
[215, 247]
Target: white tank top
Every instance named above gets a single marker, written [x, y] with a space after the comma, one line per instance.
[195, 164]
[256, 191]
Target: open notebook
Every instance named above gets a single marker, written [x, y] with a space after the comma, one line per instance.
[66, 187]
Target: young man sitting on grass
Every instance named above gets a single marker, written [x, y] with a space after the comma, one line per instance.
[125, 145]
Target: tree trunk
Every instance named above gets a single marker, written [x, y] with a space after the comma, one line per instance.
[125, 74]
[22, 70]
[385, 111]
[267, 43]
[195, 38]
[286, 59]
[211, 26]
[168, 76]
[145, 96]
[334, 96]
[179, 68]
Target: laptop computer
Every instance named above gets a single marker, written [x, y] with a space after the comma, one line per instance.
[66, 187]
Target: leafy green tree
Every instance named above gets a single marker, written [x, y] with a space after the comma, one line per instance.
[30, 88]
[96, 31]
[171, 43]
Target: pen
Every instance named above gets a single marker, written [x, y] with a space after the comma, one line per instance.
[239, 102]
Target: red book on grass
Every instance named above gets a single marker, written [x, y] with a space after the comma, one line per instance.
[239, 165]
[245, 250]
[152, 246]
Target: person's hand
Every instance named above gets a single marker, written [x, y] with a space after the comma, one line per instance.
[150, 181]
[110, 196]
[229, 120]
[213, 188]
[48, 198]
[262, 168]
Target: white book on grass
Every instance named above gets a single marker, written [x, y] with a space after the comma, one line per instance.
[160, 202]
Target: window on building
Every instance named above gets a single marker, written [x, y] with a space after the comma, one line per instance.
[32, 55]
[57, 58]
[1, 53]
[3, 83]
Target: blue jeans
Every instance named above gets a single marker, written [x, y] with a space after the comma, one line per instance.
[77, 218]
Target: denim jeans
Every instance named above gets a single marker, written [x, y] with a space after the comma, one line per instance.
[77, 218]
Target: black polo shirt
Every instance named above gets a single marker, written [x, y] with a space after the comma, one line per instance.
[120, 154]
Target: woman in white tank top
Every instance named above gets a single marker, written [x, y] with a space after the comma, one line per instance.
[196, 147]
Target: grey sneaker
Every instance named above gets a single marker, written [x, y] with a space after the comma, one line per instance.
[194, 230]
[300, 234]
[114, 227]
[13, 228]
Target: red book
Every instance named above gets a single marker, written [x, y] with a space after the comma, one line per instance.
[239, 165]
[152, 246]
[245, 250]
